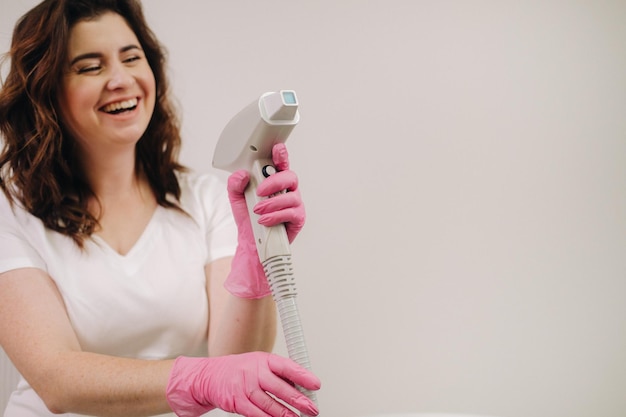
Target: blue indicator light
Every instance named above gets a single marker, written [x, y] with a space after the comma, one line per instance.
[289, 97]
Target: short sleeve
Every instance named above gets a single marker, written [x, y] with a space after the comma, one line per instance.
[205, 197]
[16, 250]
[221, 235]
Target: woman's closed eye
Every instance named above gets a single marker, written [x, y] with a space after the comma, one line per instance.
[89, 69]
[131, 59]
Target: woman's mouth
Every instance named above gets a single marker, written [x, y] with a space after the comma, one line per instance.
[120, 106]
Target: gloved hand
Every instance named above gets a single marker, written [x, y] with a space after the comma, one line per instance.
[240, 384]
[247, 278]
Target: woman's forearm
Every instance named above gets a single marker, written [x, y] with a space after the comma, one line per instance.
[93, 384]
[36, 334]
[237, 325]
[246, 325]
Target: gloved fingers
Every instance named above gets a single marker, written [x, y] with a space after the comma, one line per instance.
[284, 209]
[280, 157]
[268, 406]
[286, 392]
[247, 407]
[291, 371]
[292, 218]
[237, 182]
[279, 202]
[278, 182]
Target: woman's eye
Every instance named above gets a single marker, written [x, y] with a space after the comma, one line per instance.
[91, 68]
[132, 59]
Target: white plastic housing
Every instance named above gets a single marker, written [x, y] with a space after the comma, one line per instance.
[252, 133]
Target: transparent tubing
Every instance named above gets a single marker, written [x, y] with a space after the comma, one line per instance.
[279, 272]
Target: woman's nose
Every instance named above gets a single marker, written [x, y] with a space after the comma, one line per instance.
[120, 78]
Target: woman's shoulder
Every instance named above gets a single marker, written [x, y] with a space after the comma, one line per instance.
[202, 192]
[200, 184]
[6, 208]
[10, 208]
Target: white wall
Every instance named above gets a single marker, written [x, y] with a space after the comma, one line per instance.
[464, 169]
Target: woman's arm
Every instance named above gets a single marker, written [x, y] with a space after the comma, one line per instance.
[237, 325]
[36, 333]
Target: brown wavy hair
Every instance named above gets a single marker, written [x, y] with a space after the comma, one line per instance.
[38, 164]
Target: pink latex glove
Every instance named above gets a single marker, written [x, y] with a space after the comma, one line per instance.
[247, 278]
[240, 384]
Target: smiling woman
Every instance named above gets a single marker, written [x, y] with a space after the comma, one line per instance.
[109, 92]
[115, 260]
[106, 102]
[464, 166]
[107, 56]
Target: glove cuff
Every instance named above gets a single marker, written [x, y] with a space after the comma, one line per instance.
[180, 389]
[247, 278]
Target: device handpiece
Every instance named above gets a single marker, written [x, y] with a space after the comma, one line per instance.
[246, 143]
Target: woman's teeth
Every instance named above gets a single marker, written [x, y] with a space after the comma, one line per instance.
[120, 106]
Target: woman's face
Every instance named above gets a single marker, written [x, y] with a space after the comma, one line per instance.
[108, 94]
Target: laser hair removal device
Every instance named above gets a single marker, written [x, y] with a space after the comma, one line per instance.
[246, 143]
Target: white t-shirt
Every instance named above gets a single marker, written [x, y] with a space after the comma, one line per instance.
[150, 303]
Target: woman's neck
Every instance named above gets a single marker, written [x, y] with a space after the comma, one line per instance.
[111, 174]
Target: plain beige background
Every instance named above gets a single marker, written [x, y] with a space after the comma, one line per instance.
[463, 164]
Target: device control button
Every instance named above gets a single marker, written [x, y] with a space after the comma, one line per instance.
[268, 170]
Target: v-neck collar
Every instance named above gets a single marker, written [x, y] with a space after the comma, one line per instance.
[133, 259]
